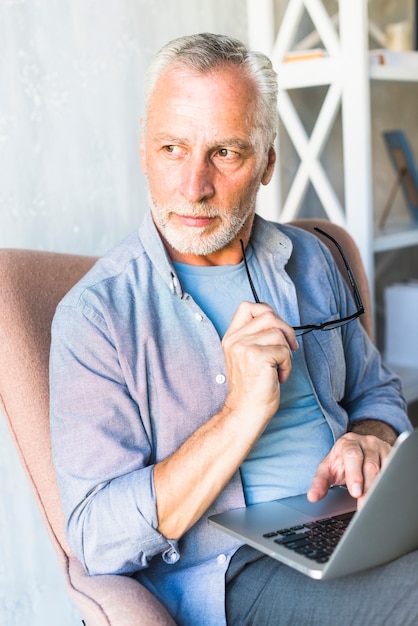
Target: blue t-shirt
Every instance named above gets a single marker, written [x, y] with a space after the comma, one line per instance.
[284, 459]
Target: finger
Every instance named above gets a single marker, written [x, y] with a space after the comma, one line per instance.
[353, 460]
[372, 464]
[261, 350]
[327, 474]
[283, 363]
[319, 487]
[376, 453]
[260, 316]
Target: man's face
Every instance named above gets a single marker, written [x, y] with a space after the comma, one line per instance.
[204, 160]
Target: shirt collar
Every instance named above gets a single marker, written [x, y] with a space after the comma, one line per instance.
[268, 237]
[265, 236]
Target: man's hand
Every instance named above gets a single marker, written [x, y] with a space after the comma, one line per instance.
[258, 355]
[355, 460]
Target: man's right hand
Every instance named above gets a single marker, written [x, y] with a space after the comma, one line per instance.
[258, 349]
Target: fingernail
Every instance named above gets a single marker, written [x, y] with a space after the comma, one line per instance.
[356, 490]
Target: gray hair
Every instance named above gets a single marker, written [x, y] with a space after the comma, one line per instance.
[205, 52]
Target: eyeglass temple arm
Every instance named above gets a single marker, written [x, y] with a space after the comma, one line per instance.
[255, 296]
[347, 265]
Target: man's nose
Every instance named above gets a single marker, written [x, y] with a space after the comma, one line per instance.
[197, 179]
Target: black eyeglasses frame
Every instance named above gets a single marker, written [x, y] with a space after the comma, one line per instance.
[331, 324]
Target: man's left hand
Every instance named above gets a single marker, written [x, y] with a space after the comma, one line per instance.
[355, 460]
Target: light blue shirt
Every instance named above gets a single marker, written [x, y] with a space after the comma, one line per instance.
[137, 366]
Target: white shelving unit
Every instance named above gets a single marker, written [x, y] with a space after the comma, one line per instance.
[391, 72]
[347, 71]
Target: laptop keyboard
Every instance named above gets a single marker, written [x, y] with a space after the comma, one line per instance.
[315, 540]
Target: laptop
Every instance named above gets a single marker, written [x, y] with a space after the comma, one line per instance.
[292, 530]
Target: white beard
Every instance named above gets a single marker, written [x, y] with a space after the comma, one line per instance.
[204, 240]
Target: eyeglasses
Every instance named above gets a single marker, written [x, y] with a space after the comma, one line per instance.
[302, 330]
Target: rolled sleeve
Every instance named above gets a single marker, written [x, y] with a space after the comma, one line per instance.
[114, 529]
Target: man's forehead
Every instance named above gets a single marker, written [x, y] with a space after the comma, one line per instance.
[229, 76]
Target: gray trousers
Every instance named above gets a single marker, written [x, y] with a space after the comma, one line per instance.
[263, 592]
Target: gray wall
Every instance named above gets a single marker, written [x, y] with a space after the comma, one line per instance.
[70, 101]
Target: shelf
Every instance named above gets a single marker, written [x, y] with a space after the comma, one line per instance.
[394, 235]
[404, 73]
[313, 72]
[409, 379]
[309, 73]
[394, 66]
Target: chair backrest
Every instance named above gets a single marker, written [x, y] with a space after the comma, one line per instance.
[354, 258]
[31, 285]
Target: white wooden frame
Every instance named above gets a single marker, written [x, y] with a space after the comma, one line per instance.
[345, 69]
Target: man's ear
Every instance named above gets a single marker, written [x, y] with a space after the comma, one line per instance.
[271, 160]
[142, 151]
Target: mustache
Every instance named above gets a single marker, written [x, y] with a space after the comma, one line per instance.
[201, 209]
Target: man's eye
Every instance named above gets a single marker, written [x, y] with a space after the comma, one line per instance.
[227, 153]
[174, 150]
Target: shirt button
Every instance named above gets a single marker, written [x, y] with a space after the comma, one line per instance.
[221, 559]
[198, 317]
[171, 556]
[220, 379]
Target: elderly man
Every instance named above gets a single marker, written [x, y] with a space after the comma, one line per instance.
[175, 395]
